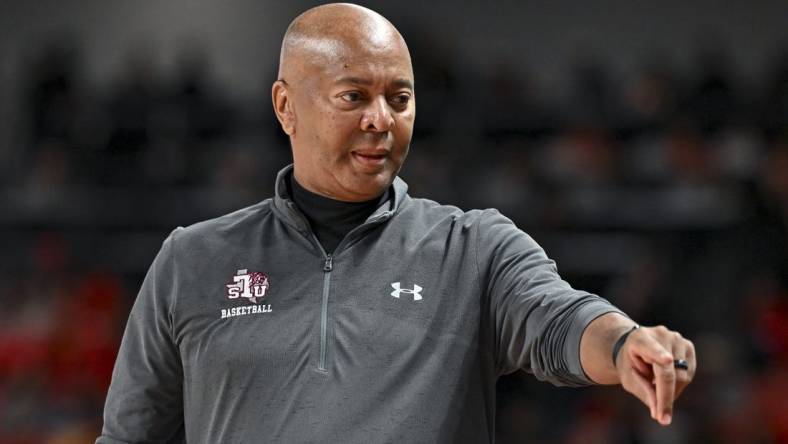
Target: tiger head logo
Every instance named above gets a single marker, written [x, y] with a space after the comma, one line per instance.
[252, 286]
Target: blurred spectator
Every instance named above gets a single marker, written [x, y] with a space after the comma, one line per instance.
[651, 98]
[775, 99]
[54, 93]
[712, 101]
[511, 104]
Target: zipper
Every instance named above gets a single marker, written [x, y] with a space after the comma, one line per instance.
[328, 265]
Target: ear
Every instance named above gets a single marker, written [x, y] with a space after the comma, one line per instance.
[283, 106]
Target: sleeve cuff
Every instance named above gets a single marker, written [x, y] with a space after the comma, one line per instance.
[584, 316]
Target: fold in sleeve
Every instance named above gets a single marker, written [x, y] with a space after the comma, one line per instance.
[538, 317]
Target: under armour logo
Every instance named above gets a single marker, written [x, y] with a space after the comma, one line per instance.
[416, 292]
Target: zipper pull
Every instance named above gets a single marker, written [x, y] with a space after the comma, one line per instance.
[328, 265]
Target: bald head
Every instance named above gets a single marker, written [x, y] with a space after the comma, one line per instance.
[333, 32]
[345, 98]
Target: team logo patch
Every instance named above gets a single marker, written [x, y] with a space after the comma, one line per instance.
[248, 285]
[252, 286]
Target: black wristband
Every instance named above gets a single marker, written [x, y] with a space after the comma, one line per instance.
[620, 342]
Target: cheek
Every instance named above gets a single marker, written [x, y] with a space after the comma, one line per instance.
[334, 139]
[403, 132]
[342, 130]
[322, 129]
[406, 119]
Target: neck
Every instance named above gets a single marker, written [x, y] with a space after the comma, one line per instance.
[331, 219]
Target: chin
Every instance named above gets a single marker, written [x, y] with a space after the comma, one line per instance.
[370, 186]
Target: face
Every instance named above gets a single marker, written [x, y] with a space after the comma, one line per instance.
[350, 120]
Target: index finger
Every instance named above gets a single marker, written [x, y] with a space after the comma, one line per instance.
[661, 361]
[665, 380]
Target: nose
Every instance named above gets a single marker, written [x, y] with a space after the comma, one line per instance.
[377, 116]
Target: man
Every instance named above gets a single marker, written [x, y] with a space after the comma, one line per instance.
[342, 310]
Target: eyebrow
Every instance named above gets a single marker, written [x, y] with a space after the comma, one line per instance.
[399, 83]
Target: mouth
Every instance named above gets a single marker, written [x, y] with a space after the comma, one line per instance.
[374, 158]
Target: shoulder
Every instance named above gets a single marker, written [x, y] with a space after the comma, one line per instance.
[429, 210]
[223, 229]
[487, 229]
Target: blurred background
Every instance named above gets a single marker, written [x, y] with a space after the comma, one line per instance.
[643, 144]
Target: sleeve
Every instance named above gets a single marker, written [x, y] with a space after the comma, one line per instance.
[145, 398]
[538, 318]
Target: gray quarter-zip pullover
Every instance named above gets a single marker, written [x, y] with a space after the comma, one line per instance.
[245, 331]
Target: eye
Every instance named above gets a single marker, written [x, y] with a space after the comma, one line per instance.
[401, 99]
[351, 96]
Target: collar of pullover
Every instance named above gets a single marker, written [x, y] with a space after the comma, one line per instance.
[287, 210]
[330, 219]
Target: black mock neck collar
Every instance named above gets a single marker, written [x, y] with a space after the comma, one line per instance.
[330, 219]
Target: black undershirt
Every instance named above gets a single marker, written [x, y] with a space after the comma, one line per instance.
[331, 220]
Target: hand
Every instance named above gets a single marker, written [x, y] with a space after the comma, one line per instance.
[646, 369]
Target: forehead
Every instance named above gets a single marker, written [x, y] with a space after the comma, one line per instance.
[334, 60]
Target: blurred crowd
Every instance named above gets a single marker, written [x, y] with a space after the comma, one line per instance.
[665, 191]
